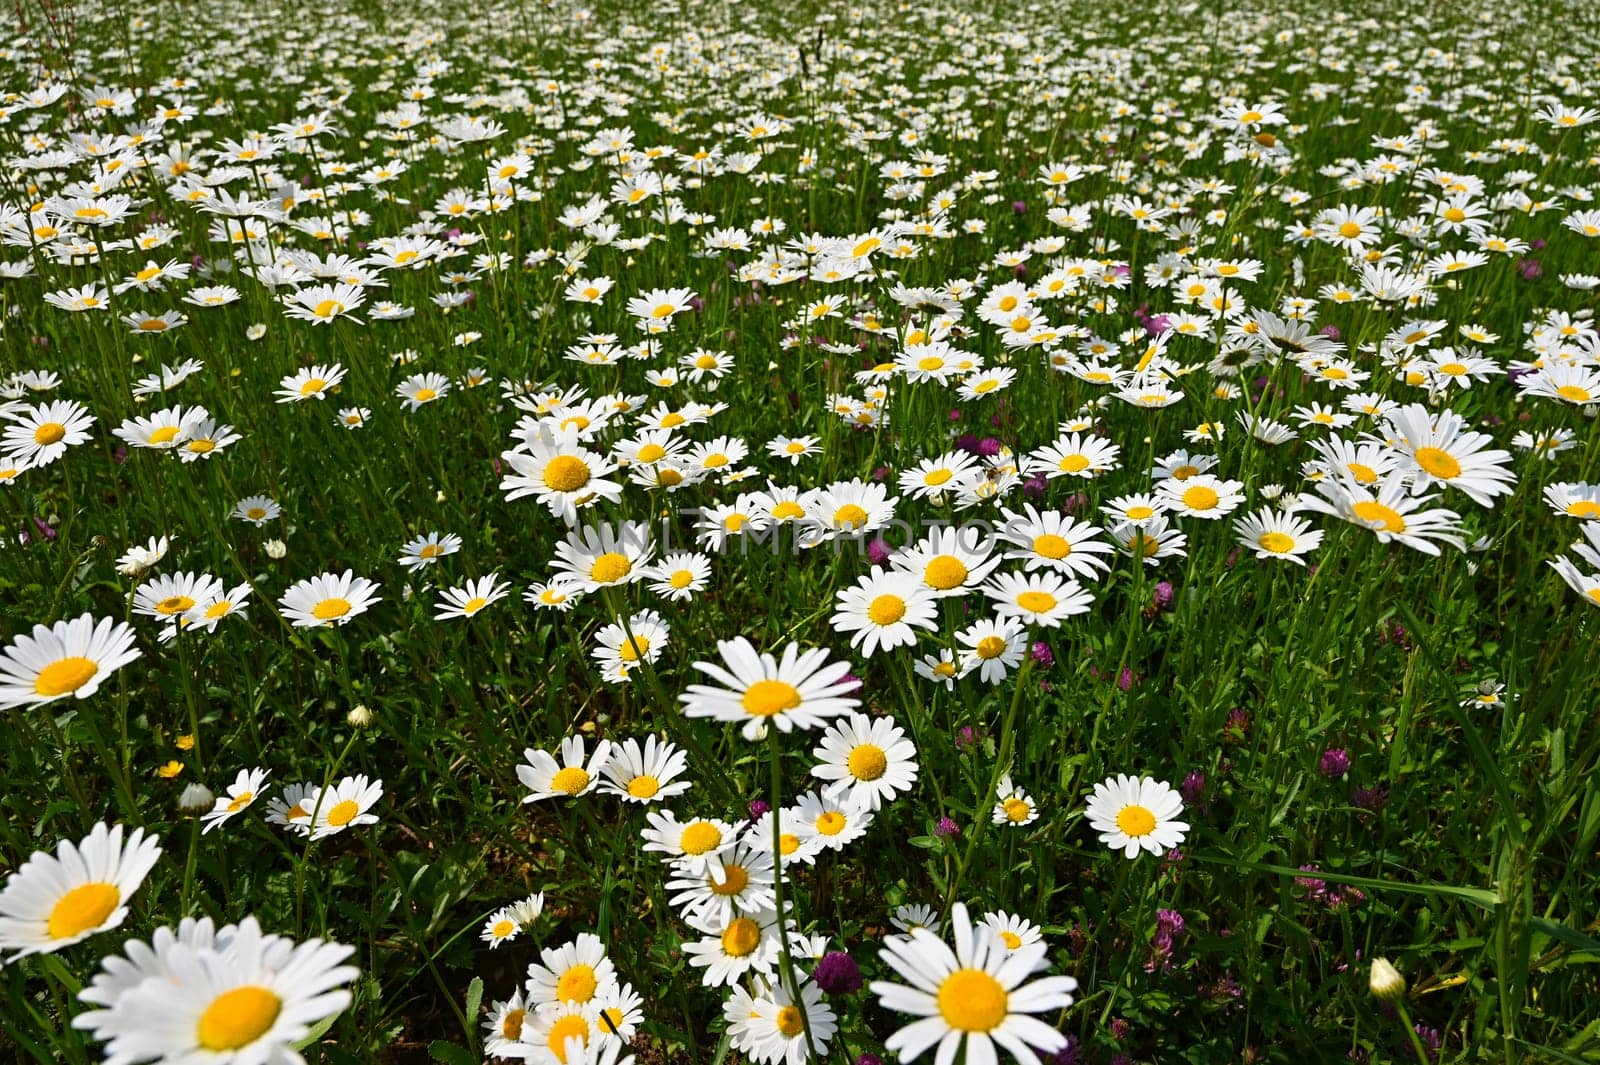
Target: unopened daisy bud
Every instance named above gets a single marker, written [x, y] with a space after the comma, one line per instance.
[256, 332]
[195, 800]
[1386, 983]
[359, 716]
[276, 548]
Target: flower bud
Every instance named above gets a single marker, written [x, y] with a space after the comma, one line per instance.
[1386, 982]
[195, 800]
[359, 716]
[276, 549]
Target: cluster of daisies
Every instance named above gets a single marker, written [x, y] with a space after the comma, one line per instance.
[191, 993]
[727, 881]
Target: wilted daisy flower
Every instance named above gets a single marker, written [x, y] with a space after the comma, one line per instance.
[244, 790]
[1013, 806]
[328, 599]
[53, 901]
[243, 997]
[547, 778]
[68, 658]
[645, 774]
[426, 550]
[468, 599]
[136, 561]
[971, 999]
[345, 805]
[257, 510]
[310, 383]
[867, 759]
[1136, 813]
[801, 691]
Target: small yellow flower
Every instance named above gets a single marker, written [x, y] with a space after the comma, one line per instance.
[185, 743]
[170, 770]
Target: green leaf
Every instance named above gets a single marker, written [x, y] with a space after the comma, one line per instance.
[1481, 897]
[450, 1054]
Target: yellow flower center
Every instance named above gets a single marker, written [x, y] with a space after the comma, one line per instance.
[1073, 464]
[741, 937]
[84, 907]
[850, 515]
[502, 928]
[644, 786]
[867, 762]
[788, 510]
[1370, 510]
[573, 1024]
[1350, 230]
[49, 433]
[790, 1022]
[734, 880]
[1036, 602]
[1276, 542]
[1574, 393]
[327, 308]
[991, 647]
[610, 568]
[344, 811]
[511, 1027]
[681, 579]
[425, 394]
[886, 610]
[313, 386]
[765, 698]
[1438, 462]
[331, 609]
[65, 675]
[238, 1018]
[1016, 810]
[1011, 940]
[944, 572]
[174, 604]
[1136, 821]
[577, 984]
[700, 837]
[566, 473]
[1584, 508]
[831, 823]
[1200, 498]
[570, 780]
[970, 1000]
[663, 310]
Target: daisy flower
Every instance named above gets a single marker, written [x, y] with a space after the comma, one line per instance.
[1200, 496]
[947, 562]
[992, 647]
[321, 304]
[793, 448]
[547, 778]
[1390, 511]
[603, 555]
[53, 901]
[571, 974]
[244, 790]
[679, 575]
[559, 595]
[172, 595]
[831, 821]
[734, 948]
[932, 478]
[1442, 452]
[313, 382]
[559, 472]
[1136, 813]
[1277, 534]
[501, 927]
[467, 600]
[972, 999]
[621, 649]
[941, 668]
[422, 388]
[345, 805]
[1013, 806]
[695, 846]
[883, 610]
[869, 760]
[780, 1033]
[1052, 540]
[241, 998]
[1012, 930]
[41, 434]
[645, 774]
[741, 884]
[257, 510]
[914, 915]
[68, 658]
[1575, 499]
[426, 550]
[802, 690]
[1037, 598]
[328, 599]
